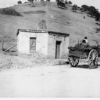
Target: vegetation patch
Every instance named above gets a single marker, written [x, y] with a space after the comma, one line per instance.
[24, 61]
[98, 24]
[35, 12]
[9, 11]
[97, 30]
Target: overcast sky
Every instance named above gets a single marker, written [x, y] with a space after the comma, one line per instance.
[96, 3]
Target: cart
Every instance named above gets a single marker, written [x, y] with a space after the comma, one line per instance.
[86, 52]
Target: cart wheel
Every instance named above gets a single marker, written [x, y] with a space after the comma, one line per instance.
[73, 61]
[93, 59]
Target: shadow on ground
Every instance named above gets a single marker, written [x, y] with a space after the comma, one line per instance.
[84, 66]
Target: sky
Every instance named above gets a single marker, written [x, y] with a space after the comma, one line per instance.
[96, 3]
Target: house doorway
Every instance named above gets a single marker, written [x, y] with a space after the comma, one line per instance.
[32, 44]
[58, 44]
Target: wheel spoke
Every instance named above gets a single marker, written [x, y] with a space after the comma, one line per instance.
[73, 61]
[93, 59]
[92, 64]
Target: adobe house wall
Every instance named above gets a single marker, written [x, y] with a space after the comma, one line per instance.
[63, 46]
[42, 43]
[23, 43]
[45, 43]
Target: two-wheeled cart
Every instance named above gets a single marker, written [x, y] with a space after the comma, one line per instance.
[87, 52]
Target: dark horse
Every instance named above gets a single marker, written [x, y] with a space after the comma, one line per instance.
[61, 4]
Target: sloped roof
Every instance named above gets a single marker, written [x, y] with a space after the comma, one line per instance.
[40, 31]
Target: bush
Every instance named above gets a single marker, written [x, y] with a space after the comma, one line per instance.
[19, 2]
[70, 2]
[75, 7]
[9, 11]
[25, 2]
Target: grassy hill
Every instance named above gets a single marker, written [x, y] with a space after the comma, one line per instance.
[57, 19]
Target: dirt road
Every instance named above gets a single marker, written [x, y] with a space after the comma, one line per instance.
[50, 81]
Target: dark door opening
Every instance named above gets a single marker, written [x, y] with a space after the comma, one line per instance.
[58, 43]
[32, 44]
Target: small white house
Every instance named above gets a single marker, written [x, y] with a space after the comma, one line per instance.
[48, 43]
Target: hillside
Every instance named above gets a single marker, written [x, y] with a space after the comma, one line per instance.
[61, 20]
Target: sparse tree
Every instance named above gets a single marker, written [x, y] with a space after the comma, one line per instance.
[93, 12]
[75, 7]
[70, 2]
[66, 2]
[19, 2]
[25, 2]
[85, 7]
[81, 9]
[97, 16]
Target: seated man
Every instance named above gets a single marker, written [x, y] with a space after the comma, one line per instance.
[82, 45]
[85, 41]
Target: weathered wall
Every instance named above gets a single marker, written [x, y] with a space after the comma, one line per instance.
[45, 44]
[65, 45]
[42, 43]
[51, 46]
[63, 48]
[23, 44]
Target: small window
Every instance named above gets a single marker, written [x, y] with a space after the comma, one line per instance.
[32, 44]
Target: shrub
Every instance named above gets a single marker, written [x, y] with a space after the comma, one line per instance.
[10, 11]
[70, 2]
[19, 2]
[75, 7]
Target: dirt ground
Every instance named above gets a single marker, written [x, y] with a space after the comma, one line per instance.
[50, 81]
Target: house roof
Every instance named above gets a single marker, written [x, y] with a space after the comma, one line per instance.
[53, 32]
[31, 31]
[41, 31]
